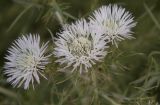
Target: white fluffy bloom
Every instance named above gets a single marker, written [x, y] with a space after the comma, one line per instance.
[25, 61]
[78, 48]
[113, 21]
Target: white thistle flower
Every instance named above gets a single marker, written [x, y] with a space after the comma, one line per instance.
[25, 61]
[114, 22]
[78, 48]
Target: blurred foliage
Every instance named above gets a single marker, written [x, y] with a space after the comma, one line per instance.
[129, 75]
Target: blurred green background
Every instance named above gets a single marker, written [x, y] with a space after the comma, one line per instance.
[130, 75]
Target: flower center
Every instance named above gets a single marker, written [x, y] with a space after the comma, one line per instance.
[26, 61]
[112, 27]
[80, 46]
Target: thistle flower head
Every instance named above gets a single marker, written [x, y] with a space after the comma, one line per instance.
[25, 61]
[78, 48]
[114, 22]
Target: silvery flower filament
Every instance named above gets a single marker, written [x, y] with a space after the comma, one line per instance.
[114, 22]
[78, 48]
[26, 60]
